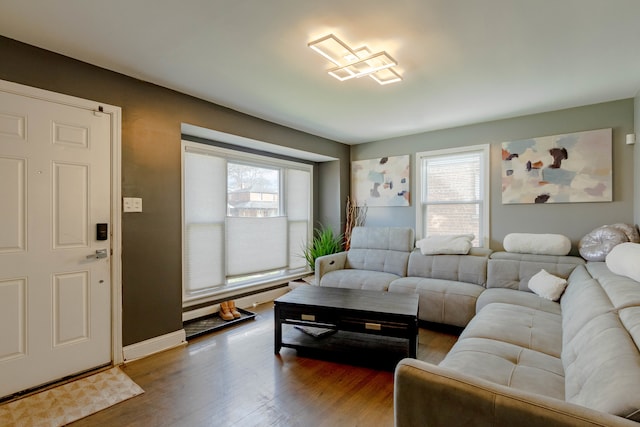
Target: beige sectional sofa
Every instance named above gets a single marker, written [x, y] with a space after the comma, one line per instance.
[526, 361]
[521, 360]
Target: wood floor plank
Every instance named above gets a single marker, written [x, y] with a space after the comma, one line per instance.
[232, 377]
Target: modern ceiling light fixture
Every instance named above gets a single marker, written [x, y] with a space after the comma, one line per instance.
[356, 63]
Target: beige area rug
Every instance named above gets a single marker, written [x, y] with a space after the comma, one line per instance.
[70, 402]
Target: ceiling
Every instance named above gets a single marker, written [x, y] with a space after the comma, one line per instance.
[462, 61]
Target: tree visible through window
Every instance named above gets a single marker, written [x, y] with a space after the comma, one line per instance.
[252, 191]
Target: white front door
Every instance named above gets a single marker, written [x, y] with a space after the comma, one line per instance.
[55, 280]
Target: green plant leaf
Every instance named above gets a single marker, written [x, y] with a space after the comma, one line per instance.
[324, 242]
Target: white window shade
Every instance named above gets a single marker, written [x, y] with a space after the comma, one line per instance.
[256, 245]
[298, 239]
[204, 257]
[453, 178]
[298, 201]
[205, 188]
[298, 194]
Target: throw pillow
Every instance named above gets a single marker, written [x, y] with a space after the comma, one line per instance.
[624, 259]
[541, 244]
[547, 285]
[458, 244]
[595, 245]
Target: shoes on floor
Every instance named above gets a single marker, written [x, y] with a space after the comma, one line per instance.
[232, 307]
[228, 310]
[224, 312]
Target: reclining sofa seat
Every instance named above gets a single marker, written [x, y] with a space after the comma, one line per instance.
[448, 285]
[376, 257]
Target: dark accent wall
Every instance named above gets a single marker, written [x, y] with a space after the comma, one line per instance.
[571, 219]
[151, 119]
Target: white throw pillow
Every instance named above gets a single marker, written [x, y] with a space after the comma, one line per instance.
[541, 244]
[547, 285]
[458, 244]
[624, 259]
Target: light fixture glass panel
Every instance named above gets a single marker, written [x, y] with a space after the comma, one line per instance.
[386, 76]
[341, 74]
[362, 53]
[333, 49]
[375, 62]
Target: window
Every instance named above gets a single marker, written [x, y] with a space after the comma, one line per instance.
[246, 219]
[453, 192]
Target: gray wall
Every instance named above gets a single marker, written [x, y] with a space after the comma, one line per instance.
[572, 220]
[152, 116]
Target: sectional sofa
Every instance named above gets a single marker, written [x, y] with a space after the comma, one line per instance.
[521, 359]
[385, 259]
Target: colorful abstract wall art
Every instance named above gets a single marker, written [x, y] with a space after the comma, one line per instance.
[568, 168]
[381, 182]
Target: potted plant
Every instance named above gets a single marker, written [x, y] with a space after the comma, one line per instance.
[324, 242]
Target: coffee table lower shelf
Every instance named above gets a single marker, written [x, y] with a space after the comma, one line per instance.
[347, 347]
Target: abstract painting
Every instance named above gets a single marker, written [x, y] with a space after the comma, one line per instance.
[568, 168]
[381, 182]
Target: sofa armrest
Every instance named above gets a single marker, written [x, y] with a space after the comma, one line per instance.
[327, 263]
[429, 395]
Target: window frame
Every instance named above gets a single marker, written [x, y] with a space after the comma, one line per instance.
[485, 195]
[251, 159]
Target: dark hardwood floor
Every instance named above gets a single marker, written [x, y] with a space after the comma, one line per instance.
[232, 378]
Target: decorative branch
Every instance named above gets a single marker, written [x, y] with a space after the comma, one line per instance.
[356, 217]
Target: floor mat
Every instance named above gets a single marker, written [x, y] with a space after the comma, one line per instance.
[203, 325]
[70, 402]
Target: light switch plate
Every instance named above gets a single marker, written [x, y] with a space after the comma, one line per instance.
[131, 204]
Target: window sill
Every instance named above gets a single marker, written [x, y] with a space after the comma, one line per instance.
[235, 291]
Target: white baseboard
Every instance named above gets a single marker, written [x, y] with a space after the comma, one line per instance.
[247, 302]
[154, 345]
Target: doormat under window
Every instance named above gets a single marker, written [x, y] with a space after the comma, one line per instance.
[203, 325]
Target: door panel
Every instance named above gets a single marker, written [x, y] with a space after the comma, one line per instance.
[70, 308]
[12, 294]
[13, 209]
[70, 206]
[55, 294]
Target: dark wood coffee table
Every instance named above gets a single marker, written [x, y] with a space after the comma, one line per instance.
[373, 319]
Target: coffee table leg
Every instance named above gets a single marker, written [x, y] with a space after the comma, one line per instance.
[277, 330]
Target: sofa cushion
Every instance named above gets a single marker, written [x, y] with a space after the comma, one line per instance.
[602, 368]
[630, 318]
[511, 296]
[385, 238]
[441, 301]
[471, 268]
[583, 300]
[386, 261]
[522, 326]
[508, 364]
[513, 271]
[358, 279]
[621, 290]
